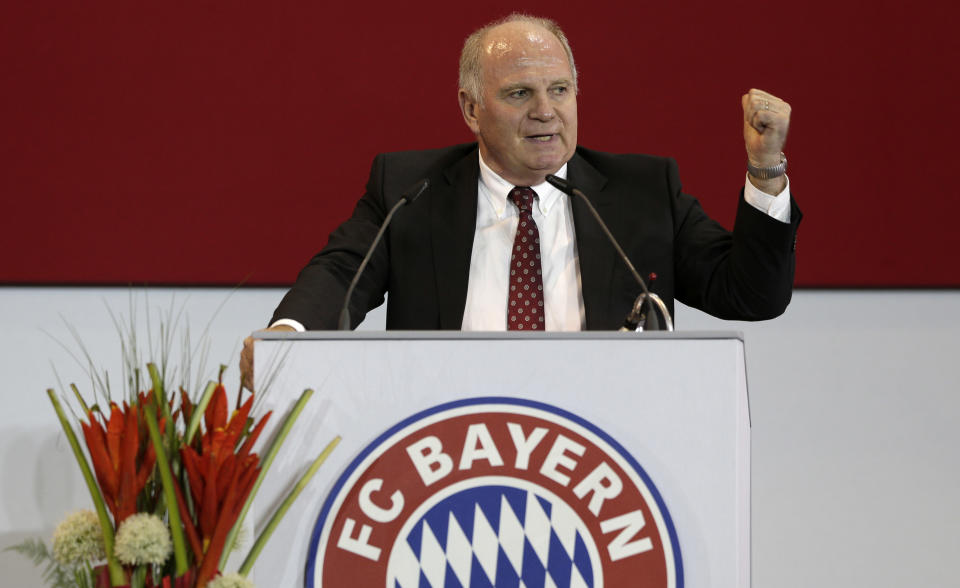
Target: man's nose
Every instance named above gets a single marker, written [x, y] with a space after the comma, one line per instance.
[542, 109]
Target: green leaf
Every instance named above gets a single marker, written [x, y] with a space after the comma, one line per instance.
[265, 462]
[163, 409]
[117, 577]
[173, 511]
[83, 404]
[198, 410]
[284, 507]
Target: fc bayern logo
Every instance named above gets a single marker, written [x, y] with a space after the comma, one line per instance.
[494, 492]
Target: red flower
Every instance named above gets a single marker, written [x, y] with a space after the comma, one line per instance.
[115, 447]
[221, 476]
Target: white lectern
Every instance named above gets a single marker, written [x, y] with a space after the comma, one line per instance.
[497, 459]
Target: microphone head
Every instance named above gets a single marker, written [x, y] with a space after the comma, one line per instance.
[560, 184]
[414, 191]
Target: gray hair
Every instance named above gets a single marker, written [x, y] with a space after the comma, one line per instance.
[471, 76]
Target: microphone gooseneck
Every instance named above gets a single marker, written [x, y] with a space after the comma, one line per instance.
[637, 315]
[411, 194]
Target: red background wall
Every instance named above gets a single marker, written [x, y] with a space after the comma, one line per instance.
[212, 142]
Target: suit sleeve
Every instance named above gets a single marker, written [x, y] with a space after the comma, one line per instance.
[743, 275]
[318, 294]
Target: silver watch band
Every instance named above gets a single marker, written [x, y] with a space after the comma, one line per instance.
[768, 173]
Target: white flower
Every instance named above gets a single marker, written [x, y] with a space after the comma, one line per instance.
[142, 539]
[230, 581]
[78, 539]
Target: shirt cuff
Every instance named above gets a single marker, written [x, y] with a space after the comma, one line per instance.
[777, 206]
[290, 323]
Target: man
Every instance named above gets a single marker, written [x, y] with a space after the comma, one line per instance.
[454, 259]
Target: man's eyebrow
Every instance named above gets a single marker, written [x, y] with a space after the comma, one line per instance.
[527, 86]
[515, 86]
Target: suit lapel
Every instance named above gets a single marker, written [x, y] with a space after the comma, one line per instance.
[596, 256]
[453, 220]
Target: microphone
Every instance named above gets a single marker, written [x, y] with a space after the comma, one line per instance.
[411, 194]
[637, 318]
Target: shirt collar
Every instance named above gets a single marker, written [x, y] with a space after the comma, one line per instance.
[497, 189]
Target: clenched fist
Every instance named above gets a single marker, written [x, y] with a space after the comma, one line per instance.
[766, 120]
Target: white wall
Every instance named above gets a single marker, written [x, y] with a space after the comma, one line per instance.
[855, 400]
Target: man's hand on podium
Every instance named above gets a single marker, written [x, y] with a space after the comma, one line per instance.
[246, 357]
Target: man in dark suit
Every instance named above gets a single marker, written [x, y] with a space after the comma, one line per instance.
[449, 258]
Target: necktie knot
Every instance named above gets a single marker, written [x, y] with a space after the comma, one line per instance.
[523, 197]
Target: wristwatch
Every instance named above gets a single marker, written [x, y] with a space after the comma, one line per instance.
[768, 173]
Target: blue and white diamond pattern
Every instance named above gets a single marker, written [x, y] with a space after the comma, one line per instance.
[495, 537]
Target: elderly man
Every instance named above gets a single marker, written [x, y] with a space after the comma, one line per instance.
[491, 246]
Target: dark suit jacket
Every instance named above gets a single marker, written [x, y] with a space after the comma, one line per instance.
[424, 261]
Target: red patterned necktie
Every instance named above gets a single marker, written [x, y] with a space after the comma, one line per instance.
[525, 301]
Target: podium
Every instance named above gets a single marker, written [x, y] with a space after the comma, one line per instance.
[510, 459]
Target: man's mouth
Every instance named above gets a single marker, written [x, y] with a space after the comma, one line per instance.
[541, 138]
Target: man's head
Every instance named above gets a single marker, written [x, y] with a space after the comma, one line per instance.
[518, 86]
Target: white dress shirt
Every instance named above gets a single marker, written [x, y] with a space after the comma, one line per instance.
[497, 218]
[486, 306]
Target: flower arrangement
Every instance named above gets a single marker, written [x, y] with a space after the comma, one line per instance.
[172, 479]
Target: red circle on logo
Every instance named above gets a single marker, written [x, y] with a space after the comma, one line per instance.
[494, 488]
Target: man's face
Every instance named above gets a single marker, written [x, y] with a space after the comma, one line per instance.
[526, 122]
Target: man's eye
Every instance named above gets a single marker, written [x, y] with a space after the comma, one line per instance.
[560, 90]
[518, 94]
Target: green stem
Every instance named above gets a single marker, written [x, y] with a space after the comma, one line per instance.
[198, 411]
[284, 507]
[83, 404]
[173, 511]
[268, 457]
[159, 394]
[83, 575]
[117, 577]
[138, 579]
[164, 408]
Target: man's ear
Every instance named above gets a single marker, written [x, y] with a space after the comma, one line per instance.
[469, 107]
